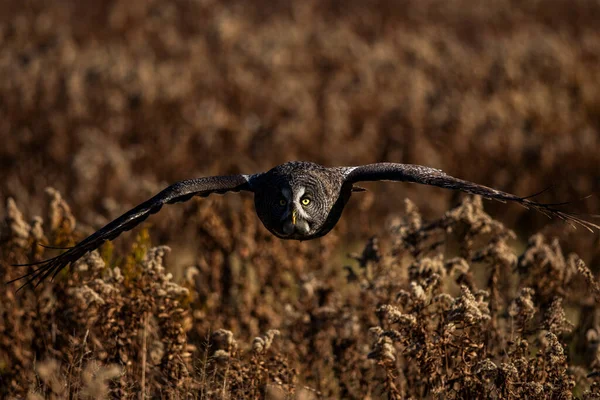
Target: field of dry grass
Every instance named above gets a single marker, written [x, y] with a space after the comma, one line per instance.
[107, 102]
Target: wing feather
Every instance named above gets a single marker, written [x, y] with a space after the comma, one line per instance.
[435, 177]
[178, 192]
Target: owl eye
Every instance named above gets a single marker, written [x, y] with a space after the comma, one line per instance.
[282, 202]
[305, 201]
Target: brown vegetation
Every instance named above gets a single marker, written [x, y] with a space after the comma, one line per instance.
[109, 101]
[446, 310]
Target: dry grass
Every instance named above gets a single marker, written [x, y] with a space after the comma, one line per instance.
[444, 309]
[109, 101]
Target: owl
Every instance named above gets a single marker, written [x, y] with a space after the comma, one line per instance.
[297, 200]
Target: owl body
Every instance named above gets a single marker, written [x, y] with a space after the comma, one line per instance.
[300, 200]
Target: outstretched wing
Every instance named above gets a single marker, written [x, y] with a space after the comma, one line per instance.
[436, 177]
[178, 192]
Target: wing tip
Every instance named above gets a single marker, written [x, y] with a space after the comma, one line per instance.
[572, 218]
[41, 273]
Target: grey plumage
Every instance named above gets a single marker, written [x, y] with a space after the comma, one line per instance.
[296, 200]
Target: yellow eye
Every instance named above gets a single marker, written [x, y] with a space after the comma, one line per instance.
[305, 201]
[282, 202]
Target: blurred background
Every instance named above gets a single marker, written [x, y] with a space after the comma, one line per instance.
[110, 101]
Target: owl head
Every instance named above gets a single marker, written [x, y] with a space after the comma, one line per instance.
[300, 202]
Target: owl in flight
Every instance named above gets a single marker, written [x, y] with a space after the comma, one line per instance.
[296, 200]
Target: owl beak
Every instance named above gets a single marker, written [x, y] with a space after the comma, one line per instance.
[295, 225]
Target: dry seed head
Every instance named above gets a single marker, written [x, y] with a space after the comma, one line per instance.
[486, 369]
[591, 336]
[156, 351]
[116, 275]
[423, 268]
[153, 261]
[449, 330]
[95, 377]
[533, 389]
[49, 373]
[90, 262]
[174, 290]
[443, 300]
[274, 392]
[409, 224]
[325, 312]
[37, 230]
[509, 371]
[87, 296]
[370, 254]
[413, 217]
[468, 309]
[262, 343]
[222, 356]
[555, 319]
[417, 292]
[521, 363]
[523, 306]
[223, 340]
[383, 350]
[385, 310]
[553, 349]
[190, 275]
[481, 297]
[388, 351]
[589, 277]
[306, 393]
[543, 266]
[394, 335]
[593, 393]
[18, 229]
[406, 321]
[432, 283]
[395, 316]
[375, 332]
[457, 264]
[60, 214]
[104, 289]
[403, 298]
[497, 252]
[470, 212]
[309, 286]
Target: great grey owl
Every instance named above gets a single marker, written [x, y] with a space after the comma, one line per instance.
[296, 200]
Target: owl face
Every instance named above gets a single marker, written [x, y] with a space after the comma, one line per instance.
[296, 209]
